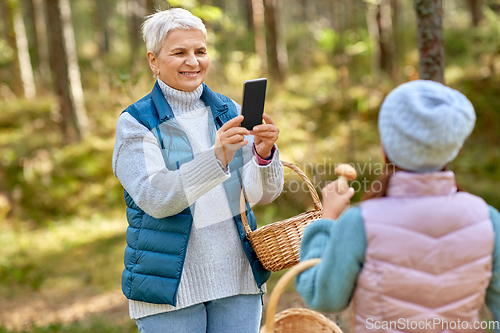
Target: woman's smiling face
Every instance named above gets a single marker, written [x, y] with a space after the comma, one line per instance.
[182, 62]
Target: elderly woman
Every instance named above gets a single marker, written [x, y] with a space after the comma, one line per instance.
[183, 159]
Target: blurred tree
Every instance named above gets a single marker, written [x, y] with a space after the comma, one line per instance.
[2, 15]
[150, 6]
[101, 20]
[135, 13]
[476, 15]
[259, 33]
[247, 4]
[23, 54]
[475, 11]
[41, 42]
[281, 41]
[66, 72]
[101, 37]
[397, 49]
[380, 25]
[29, 22]
[386, 41]
[305, 14]
[272, 25]
[10, 34]
[374, 32]
[430, 39]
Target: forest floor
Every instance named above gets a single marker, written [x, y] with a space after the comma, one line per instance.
[66, 278]
[39, 310]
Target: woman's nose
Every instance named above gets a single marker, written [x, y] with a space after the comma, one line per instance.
[192, 60]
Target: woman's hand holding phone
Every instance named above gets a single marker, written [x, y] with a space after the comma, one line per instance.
[265, 135]
[229, 138]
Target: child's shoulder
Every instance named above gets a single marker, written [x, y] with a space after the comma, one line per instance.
[494, 215]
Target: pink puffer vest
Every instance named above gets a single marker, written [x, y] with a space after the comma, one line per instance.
[428, 258]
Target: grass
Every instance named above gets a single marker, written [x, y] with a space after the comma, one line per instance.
[100, 325]
[64, 277]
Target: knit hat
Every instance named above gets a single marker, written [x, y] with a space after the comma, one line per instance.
[423, 124]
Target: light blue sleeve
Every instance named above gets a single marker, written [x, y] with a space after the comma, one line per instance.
[493, 291]
[341, 245]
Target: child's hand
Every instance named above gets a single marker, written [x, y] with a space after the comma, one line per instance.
[333, 202]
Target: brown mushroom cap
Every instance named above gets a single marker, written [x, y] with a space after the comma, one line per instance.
[346, 170]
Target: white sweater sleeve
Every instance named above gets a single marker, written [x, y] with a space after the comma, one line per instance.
[262, 184]
[138, 164]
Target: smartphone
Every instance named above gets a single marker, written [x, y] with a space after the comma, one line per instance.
[254, 97]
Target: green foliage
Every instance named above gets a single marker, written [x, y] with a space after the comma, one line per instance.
[208, 13]
[45, 179]
[6, 53]
[477, 164]
[327, 39]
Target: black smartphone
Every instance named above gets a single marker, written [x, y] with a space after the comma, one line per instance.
[254, 98]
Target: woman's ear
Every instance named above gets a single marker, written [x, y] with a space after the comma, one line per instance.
[153, 63]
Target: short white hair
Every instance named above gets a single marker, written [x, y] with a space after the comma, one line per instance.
[157, 26]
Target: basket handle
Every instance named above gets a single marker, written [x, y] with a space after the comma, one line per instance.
[280, 287]
[310, 186]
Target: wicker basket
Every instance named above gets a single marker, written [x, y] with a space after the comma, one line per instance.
[277, 245]
[297, 320]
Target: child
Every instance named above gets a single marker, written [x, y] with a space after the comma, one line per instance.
[418, 254]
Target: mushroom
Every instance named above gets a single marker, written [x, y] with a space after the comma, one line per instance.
[345, 172]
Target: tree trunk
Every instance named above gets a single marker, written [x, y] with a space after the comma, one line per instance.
[29, 22]
[259, 34]
[475, 11]
[73, 68]
[73, 126]
[281, 42]
[430, 39]
[10, 34]
[3, 34]
[397, 48]
[272, 41]
[150, 7]
[101, 37]
[134, 27]
[23, 55]
[249, 14]
[102, 12]
[386, 44]
[374, 33]
[305, 15]
[41, 41]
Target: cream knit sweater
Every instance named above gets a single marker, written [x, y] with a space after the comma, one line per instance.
[215, 265]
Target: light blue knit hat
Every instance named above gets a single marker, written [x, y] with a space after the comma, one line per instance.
[423, 124]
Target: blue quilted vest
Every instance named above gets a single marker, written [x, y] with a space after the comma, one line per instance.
[156, 248]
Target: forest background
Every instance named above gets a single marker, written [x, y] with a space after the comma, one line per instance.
[68, 68]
